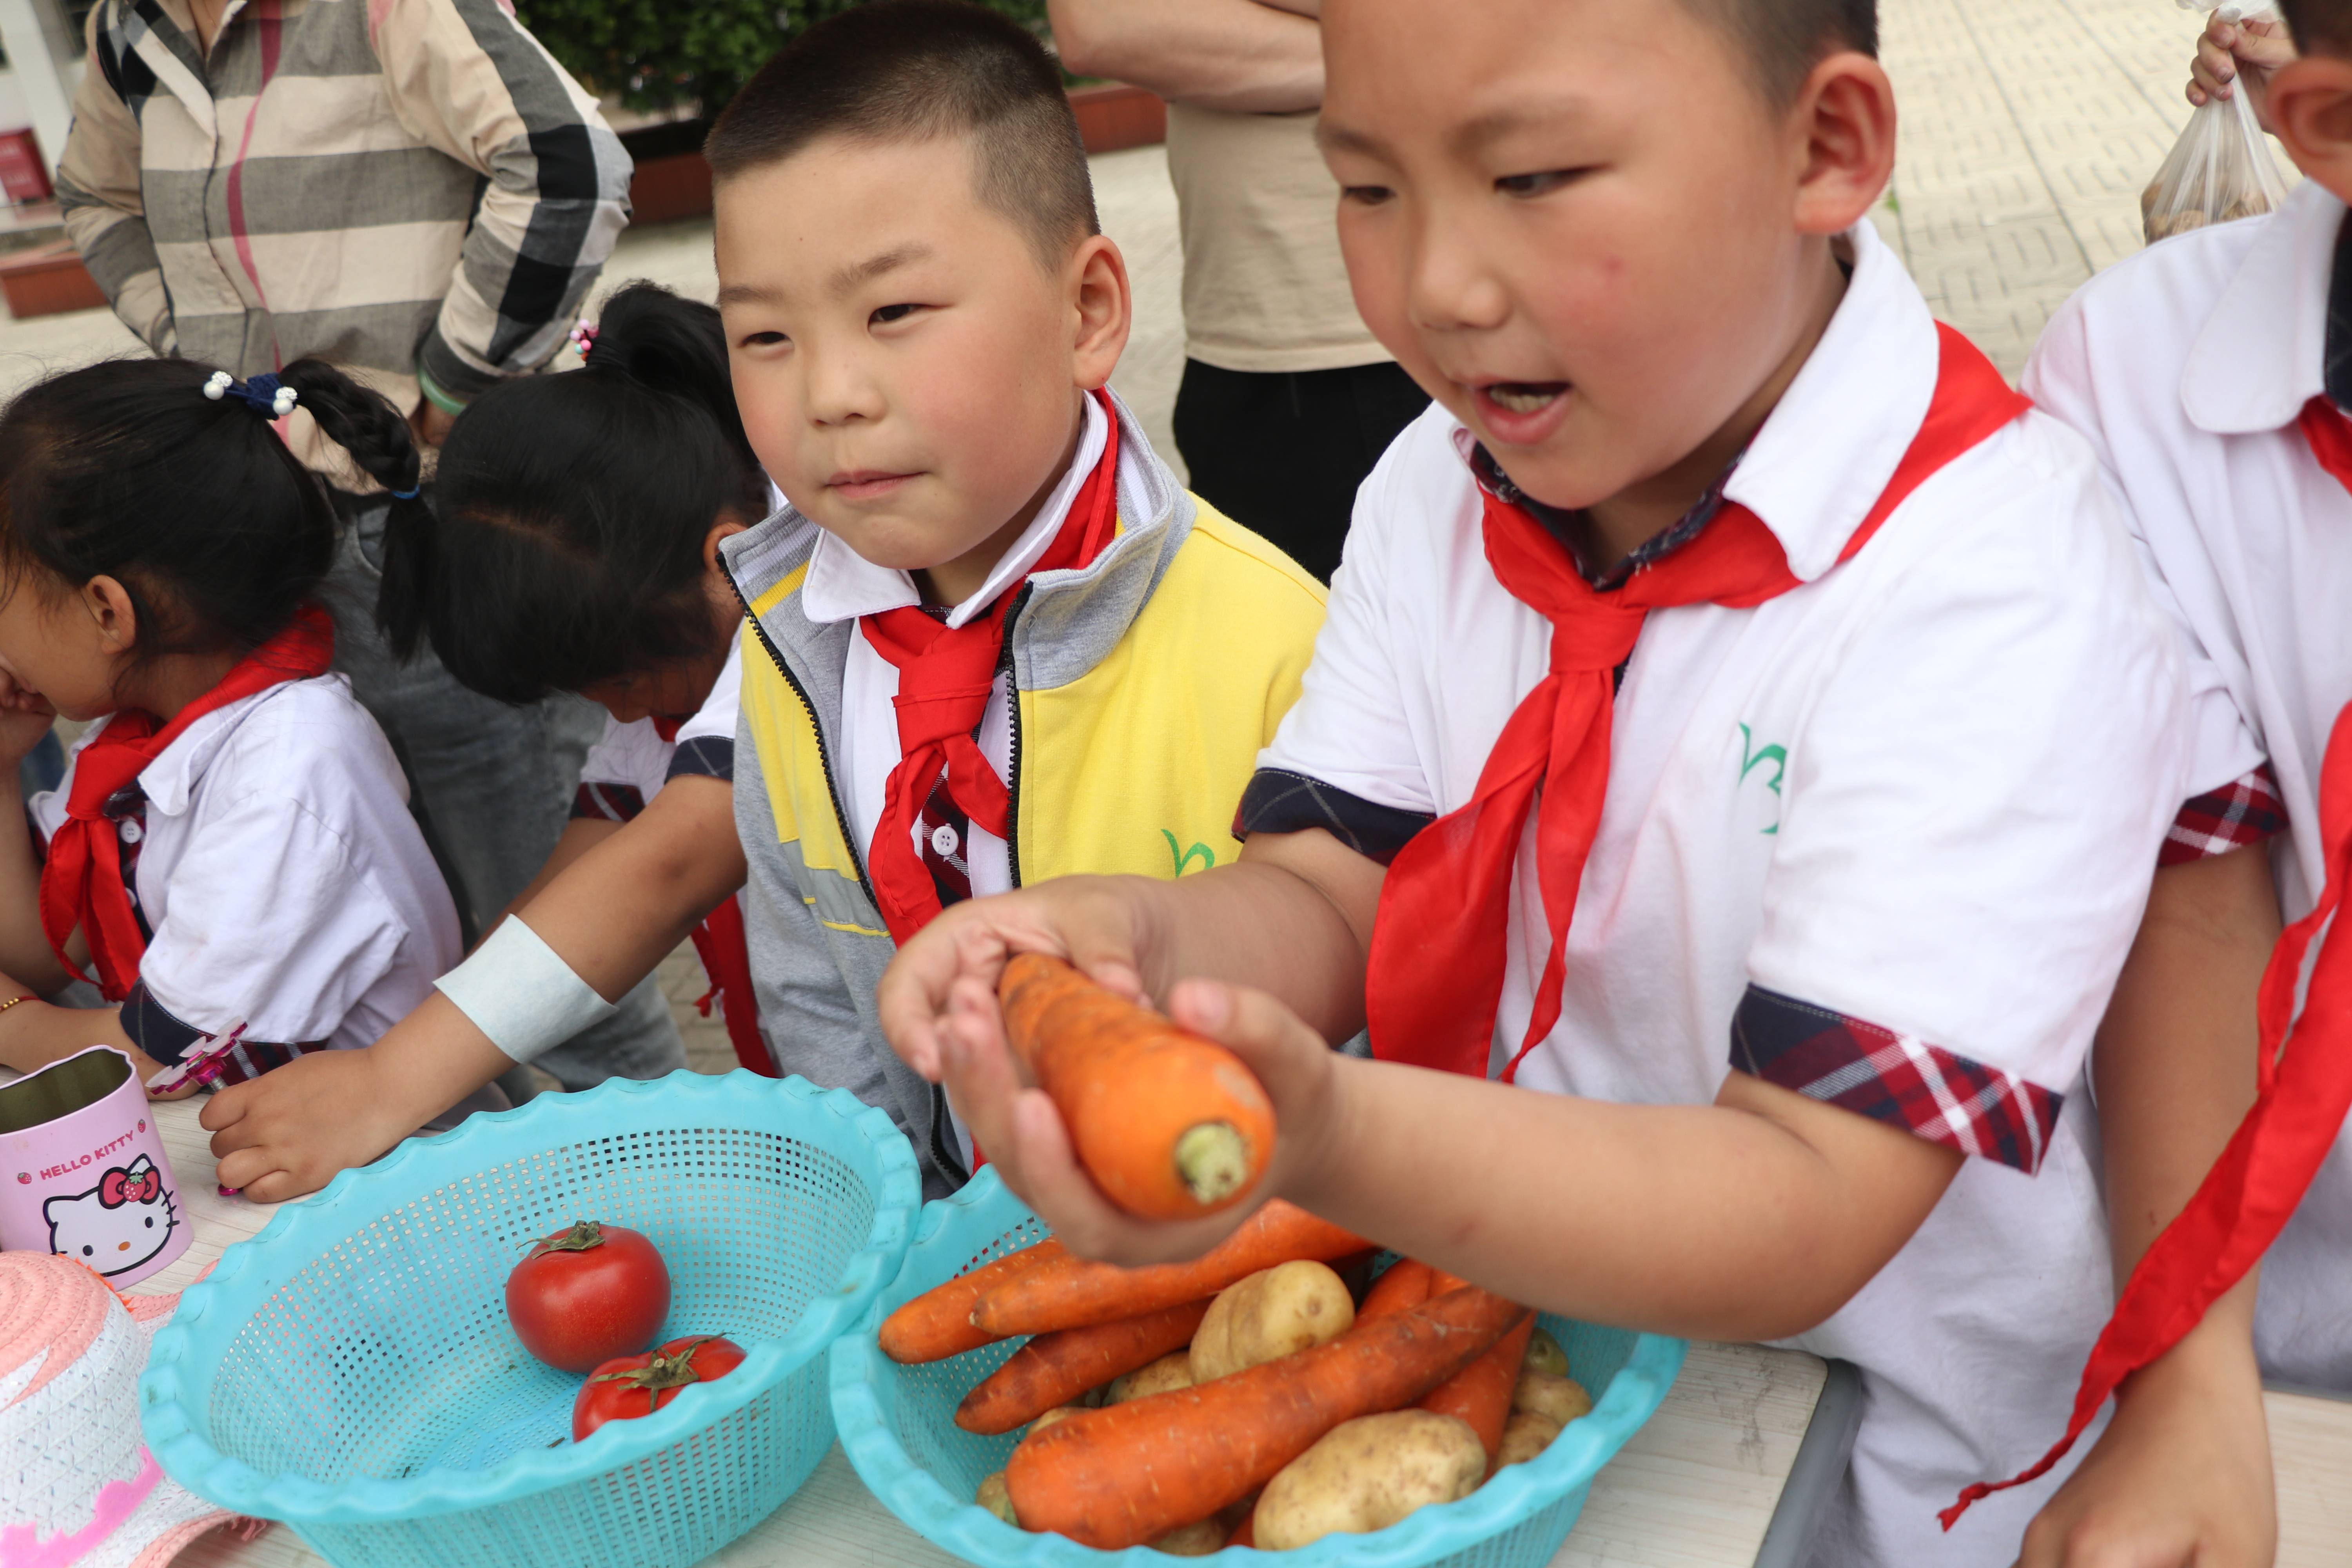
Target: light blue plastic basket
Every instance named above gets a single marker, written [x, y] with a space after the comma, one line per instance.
[350, 1370]
[897, 1427]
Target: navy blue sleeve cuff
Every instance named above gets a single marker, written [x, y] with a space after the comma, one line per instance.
[1279, 802]
[705, 756]
[154, 1030]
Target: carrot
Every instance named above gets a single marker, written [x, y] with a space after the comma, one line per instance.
[1405, 1285]
[1053, 1369]
[1480, 1393]
[1072, 1292]
[937, 1324]
[1129, 1474]
[1170, 1126]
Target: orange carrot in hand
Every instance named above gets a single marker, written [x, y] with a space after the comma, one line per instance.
[1053, 1369]
[1170, 1126]
[937, 1324]
[1072, 1292]
[1129, 1474]
[1404, 1286]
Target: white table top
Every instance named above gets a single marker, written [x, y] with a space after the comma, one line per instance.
[1695, 1488]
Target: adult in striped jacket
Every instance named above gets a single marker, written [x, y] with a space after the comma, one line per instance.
[414, 191]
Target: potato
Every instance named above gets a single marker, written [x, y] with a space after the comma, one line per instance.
[1171, 1371]
[1548, 1394]
[1059, 1413]
[998, 1501]
[1366, 1475]
[1544, 1353]
[1527, 1434]
[1193, 1540]
[1275, 1312]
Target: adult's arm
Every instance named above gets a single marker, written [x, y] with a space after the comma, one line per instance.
[1235, 55]
[98, 191]
[465, 78]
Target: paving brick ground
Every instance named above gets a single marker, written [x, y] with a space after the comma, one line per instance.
[2028, 130]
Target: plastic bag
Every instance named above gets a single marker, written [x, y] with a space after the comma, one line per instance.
[2220, 170]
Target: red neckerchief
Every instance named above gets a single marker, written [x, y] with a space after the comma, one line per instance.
[2303, 1078]
[1439, 940]
[82, 883]
[727, 964]
[944, 680]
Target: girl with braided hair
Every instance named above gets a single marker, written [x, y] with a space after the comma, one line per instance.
[230, 859]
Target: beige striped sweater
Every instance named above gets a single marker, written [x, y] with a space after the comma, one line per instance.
[396, 185]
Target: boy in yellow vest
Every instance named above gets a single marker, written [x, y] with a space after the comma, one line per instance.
[992, 638]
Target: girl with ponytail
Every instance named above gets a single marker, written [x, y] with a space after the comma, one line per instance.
[574, 546]
[229, 864]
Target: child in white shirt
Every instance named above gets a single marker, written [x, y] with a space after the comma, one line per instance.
[231, 848]
[2211, 374]
[1739, 719]
[573, 547]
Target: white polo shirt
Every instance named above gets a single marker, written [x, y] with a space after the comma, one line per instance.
[1916, 800]
[630, 762]
[280, 876]
[2187, 367]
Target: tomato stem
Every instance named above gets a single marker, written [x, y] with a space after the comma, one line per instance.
[663, 1372]
[583, 1234]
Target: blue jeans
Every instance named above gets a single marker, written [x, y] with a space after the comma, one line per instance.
[491, 785]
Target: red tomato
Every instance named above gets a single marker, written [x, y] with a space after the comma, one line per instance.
[632, 1386]
[588, 1294]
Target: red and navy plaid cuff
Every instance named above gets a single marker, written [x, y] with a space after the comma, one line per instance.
[2231, 817]
[606, 802]
[1900, 1079]
[161, 1033]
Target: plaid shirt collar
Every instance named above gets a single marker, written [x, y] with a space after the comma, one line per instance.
[1560, 523]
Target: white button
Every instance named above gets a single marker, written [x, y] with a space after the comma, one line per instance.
[128, 831]
[943, 840]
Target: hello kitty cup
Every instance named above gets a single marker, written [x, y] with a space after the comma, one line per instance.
[82, 1168]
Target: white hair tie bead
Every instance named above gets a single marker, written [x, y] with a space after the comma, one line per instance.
[217, 387]
[283, 402]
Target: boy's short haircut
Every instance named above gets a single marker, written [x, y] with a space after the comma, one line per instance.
[2322, 25]
[904, 71]
[1785, 39]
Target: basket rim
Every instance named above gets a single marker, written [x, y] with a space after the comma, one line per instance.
[918, 1499]
[171, 1391]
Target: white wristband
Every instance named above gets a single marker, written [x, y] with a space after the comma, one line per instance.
[521, 993]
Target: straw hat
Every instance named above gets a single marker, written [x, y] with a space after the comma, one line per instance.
[76, 1485]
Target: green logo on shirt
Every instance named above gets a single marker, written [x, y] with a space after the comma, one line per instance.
[1183, 857]
[1752, 757]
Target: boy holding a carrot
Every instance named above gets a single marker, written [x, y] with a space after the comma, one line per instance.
[1740, 718]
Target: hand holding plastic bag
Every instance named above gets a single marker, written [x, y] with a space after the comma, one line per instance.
[2220, 171]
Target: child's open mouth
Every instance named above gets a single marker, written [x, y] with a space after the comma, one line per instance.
[1521, 412]
[1524, 397]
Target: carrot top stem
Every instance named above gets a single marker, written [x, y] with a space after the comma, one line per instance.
[1213, 1161]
